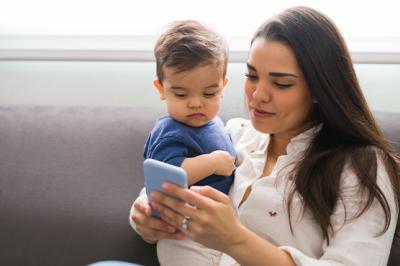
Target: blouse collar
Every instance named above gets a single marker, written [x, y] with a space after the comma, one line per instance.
[298, 143]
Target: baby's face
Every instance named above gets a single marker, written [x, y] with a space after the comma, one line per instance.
[193, 97]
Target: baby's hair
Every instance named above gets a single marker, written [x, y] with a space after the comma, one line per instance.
[187, 44]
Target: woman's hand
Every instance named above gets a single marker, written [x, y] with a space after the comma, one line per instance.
[150, 228]
[210, 217]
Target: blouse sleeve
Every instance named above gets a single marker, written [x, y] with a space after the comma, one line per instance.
[357, 241]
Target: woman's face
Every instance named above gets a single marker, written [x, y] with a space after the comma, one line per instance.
[278, 97]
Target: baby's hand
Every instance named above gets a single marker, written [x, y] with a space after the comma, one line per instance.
[224, 163]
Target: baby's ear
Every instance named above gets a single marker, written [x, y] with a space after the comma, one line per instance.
[225, 82]
[157, 84]
[226, 79]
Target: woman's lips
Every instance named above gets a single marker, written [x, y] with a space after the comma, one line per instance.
[260, 113]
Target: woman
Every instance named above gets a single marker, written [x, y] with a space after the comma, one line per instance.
[317, 183]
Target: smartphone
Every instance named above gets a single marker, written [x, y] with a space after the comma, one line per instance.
[157, 172]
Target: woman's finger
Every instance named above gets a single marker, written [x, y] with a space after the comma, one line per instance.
[150, 222]
[187, 195]
[143, 207]
[152, 236]
[211, 193]
[172, 206]
[152, 229]
[168, 215]
[160, 225]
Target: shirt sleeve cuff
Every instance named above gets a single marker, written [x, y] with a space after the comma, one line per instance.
[142, 197]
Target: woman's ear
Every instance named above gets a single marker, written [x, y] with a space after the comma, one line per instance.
[157, 84]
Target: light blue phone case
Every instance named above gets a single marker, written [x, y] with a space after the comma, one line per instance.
[157, 172]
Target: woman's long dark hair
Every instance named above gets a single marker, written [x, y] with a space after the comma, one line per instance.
[349, 133]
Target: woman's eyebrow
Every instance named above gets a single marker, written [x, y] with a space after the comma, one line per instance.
[281, 74]
[272, 74]
[250, 67]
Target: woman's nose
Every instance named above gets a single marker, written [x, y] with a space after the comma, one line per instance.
[262, 93]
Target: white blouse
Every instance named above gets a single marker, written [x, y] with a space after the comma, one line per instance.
[265, 213]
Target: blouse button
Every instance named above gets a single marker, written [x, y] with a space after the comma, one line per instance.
[272, 213]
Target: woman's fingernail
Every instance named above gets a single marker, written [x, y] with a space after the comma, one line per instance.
[166, 186]
[195, 188]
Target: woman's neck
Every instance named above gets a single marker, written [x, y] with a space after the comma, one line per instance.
[277, 146]
[278, 142]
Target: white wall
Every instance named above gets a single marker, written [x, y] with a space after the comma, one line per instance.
[130, 84]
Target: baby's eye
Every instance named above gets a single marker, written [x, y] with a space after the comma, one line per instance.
[209, 94]
[180, 95]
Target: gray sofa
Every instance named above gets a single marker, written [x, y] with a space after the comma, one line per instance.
[68, 176]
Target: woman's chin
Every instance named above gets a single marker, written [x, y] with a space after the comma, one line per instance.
[262, 127]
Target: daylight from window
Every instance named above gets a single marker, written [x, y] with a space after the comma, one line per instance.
[231, 18]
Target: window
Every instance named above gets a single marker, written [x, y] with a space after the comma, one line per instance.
[128, 28]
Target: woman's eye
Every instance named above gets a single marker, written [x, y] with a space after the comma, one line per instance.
[251, 77]
[283, 85]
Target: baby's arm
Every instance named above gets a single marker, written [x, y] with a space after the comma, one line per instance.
[173, 151]
[217, 162]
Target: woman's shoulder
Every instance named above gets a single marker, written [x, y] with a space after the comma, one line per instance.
[241, 130]
[237, 123]
[237, 127]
